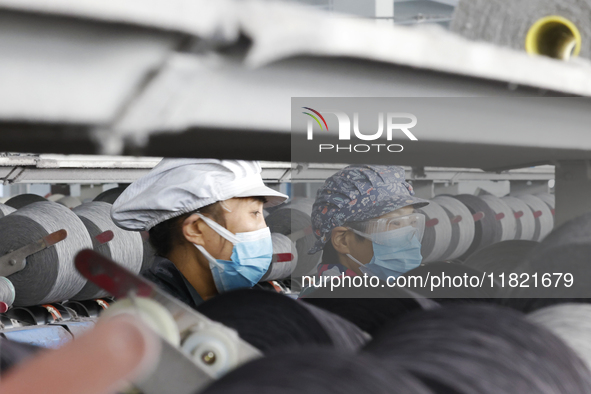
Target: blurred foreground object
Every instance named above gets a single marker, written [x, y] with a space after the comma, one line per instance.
[96, 363]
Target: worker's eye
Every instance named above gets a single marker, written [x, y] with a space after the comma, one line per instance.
[257, 213]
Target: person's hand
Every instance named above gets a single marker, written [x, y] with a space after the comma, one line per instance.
[98, 362]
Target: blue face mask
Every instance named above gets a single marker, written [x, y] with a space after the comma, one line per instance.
[250, 260]
[394, 252]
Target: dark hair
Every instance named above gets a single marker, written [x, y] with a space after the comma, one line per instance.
[168, 234]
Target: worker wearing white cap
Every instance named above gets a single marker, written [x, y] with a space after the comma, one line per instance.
[205, 220]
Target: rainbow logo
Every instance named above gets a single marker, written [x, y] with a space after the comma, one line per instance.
[315, 118]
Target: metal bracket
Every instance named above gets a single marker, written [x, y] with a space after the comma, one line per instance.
[193, 326]
[16, 261]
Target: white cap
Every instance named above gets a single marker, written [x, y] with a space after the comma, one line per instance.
[178, 186]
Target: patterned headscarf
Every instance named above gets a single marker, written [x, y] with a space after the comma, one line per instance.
[358, 193]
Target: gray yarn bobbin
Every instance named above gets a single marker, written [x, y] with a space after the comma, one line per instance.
[507, 23]
[290, 220]
[6, 210]
[7, 291]
[22, 200]
[49, 275]
[487, 230]
[545, 221]
[437, 237]
[571, 323]
[69, 202]
[126, 247]
[548, 198]
[462, 231]
[526, 224]
[281, 269]
[508, 222]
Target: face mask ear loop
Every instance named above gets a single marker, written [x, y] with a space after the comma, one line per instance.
[354, 259]
[362, 235]
[219, 229]
[205, 253]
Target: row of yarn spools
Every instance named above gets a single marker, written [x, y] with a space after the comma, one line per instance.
[49, 275]
[455, 226]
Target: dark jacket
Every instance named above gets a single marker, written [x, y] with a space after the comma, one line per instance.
[167, 277]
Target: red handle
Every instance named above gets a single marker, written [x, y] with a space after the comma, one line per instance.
[432, 222]
[518, 214]
[282, 257]
[500, 216]
[105, 237]
[537, 214]
[478, 216]
[456, 219]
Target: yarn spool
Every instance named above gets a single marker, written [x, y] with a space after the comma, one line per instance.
[55, 197]
[285, 258]
[476, 348]
[110, 195]
[17, 202]
[302, 204]
[544, 219]
[559, 30]
[503, 214]
[49, 275]
[6, 210]
[366, 307]
[317, 371]
[7, 292]
[126, 247]
[569, 322]
[502, 257]
[344, 335]
[526, 223]
[297, 225]
[298, 372]
[270, 321]
[565, 250]
[487, 230]
[549, 199]
[69, 202]
[438, 232]
[462, 226]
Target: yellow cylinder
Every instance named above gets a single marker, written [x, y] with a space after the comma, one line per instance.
[553, 36]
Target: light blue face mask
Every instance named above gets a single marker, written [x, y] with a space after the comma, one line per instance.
[251, 257]
[394, 252]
